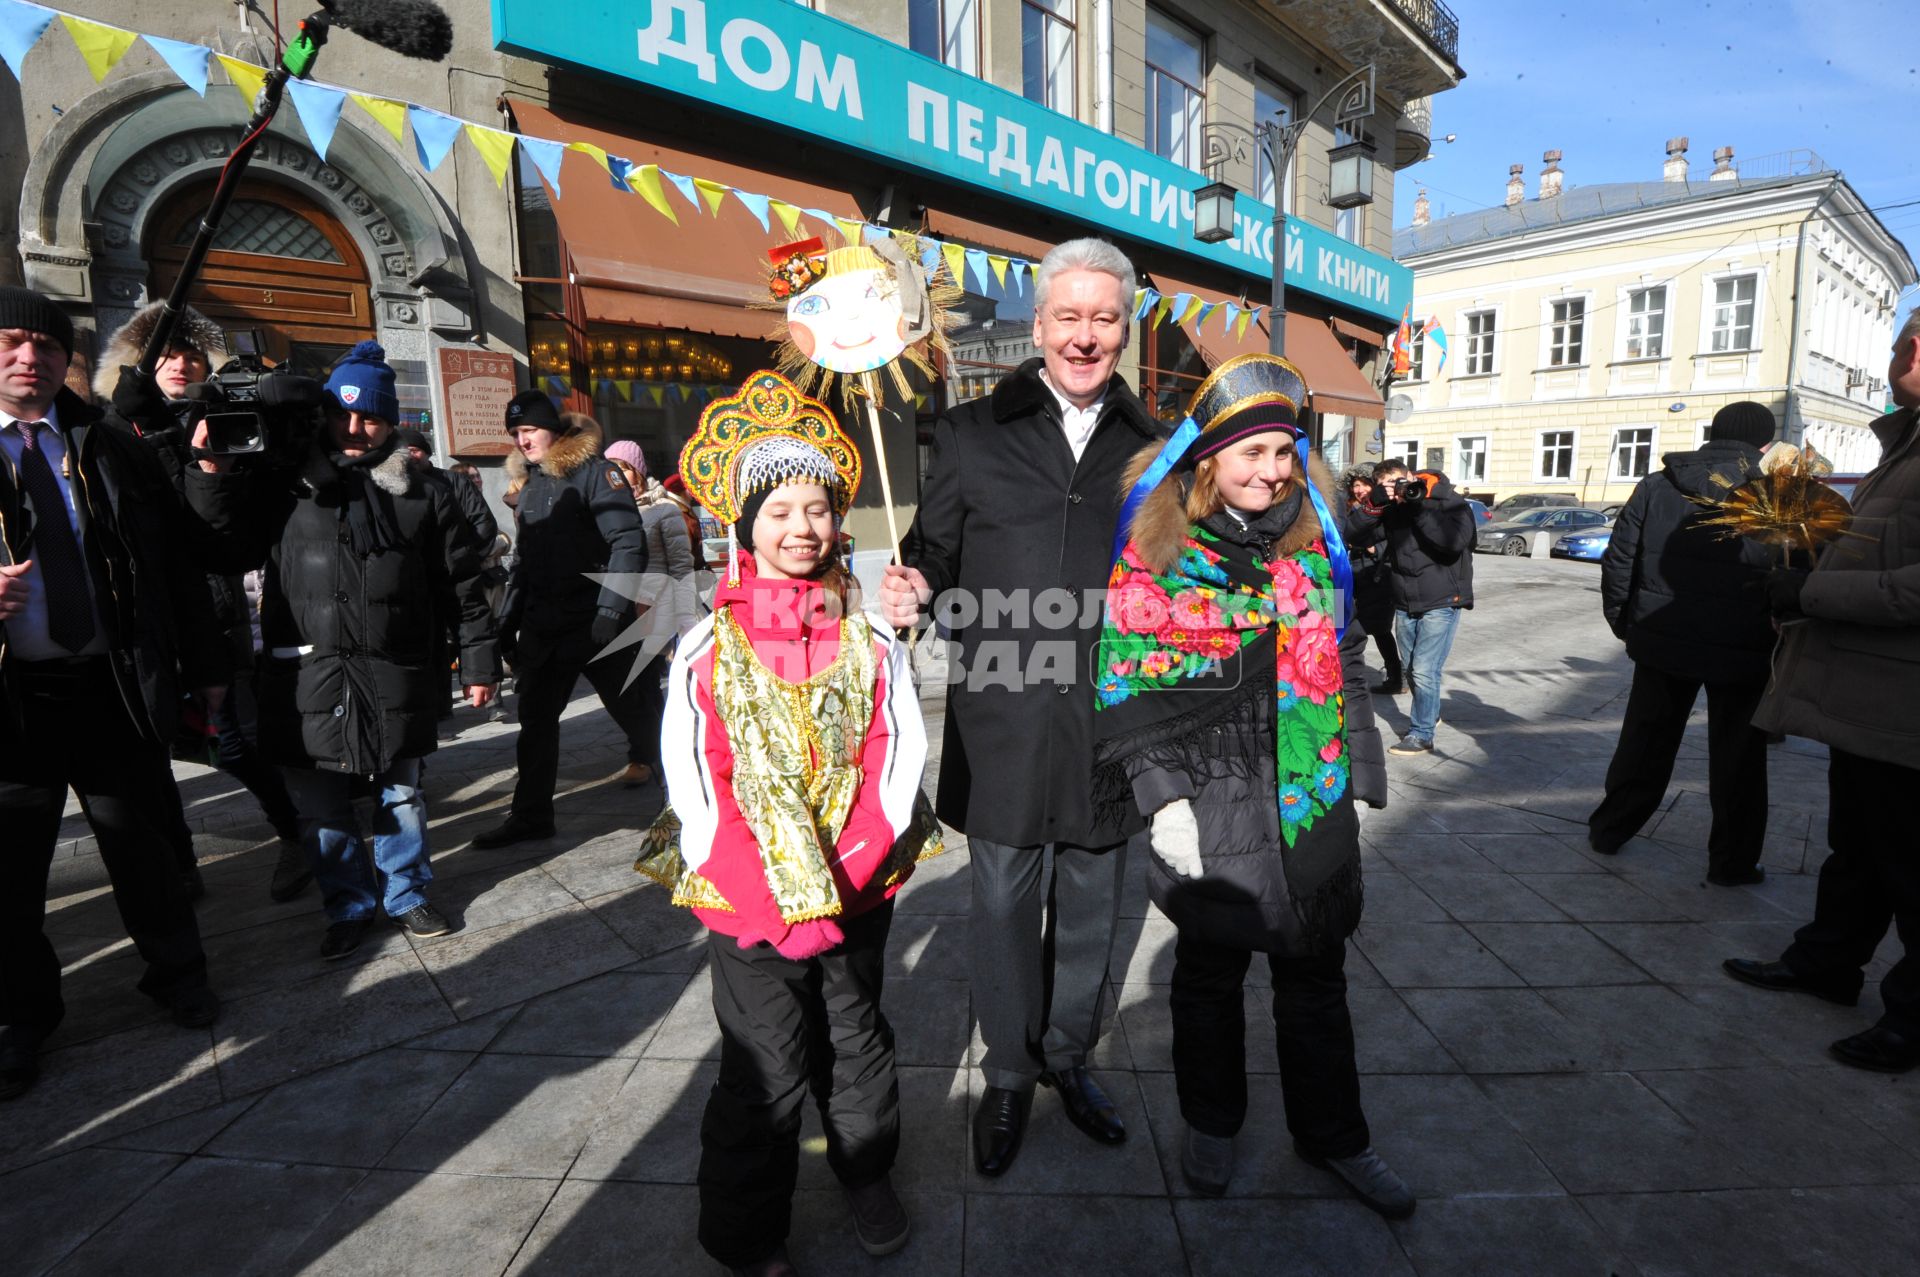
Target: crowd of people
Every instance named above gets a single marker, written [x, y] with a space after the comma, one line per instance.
[301, 609]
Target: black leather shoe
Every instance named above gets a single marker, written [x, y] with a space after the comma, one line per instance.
[1389, 687]
[1087, 1105]
[19, 1069]
[1881, 1049]
[1779, 977]
[425, 921]
[193, 1008]
[343, 938]
[512, 830]
[998, 1123]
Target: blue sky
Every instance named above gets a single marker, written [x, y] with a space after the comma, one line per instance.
[1608, 84]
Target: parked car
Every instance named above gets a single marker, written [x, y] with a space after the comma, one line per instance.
[1514, 536]
[1587, 543]
[1507, 507]
[1844, 484]
[1613, 511]
[1480, 512]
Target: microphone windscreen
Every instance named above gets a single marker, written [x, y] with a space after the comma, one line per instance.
[416, 28]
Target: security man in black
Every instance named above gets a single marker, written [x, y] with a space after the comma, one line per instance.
[577, 517]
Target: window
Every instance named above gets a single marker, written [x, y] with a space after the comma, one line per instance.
[1405, 451]
[1176, 93]
[1632, 452]
[1733, 314]
[1556, 454]
[946, 29]
[1566, 333]
[1480, 342]
[1272, 104]
[1470, 459]
[1046, 53]
[1647, 323]
[1417, 356]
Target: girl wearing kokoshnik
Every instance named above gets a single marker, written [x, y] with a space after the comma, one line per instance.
[1232, 708]
[792, 747]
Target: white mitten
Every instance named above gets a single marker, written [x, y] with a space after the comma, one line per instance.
[1176, 838]
[1360, 813]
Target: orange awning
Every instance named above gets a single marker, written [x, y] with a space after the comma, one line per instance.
[1334, 382]
[633, 266]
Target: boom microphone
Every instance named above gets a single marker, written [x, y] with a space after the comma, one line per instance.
[415, 28]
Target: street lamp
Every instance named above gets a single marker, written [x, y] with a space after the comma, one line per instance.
[1213, 204]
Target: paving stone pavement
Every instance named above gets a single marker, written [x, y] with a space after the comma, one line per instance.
[1551, 1055]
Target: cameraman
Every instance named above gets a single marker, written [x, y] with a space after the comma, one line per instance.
[161, 413]
[1429, 535]
[362, 559]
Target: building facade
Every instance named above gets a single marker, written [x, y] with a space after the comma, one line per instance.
[1589, 330]
[997, 126]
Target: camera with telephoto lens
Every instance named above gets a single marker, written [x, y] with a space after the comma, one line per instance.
[252, 409]
[1410, 489]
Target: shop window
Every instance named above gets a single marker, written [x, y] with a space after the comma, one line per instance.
[542, 264]
[1047, 53]
[1172, 371]
[1176, 73]
[946, 30]
[993, 337]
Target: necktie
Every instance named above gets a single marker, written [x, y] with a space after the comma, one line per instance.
[62, 569]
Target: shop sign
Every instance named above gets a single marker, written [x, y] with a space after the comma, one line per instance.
[475, 387]
[784, 63]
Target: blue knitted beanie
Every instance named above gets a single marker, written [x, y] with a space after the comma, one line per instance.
[363, 382]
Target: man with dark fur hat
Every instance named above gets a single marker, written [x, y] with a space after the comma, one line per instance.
[102, 625]
[1691, 606]
[577, 520]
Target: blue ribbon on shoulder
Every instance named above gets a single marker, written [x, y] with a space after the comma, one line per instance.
[1337, 559]
[1176, 448]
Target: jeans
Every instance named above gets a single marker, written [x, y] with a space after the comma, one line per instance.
[1425, 641]
[331, 835]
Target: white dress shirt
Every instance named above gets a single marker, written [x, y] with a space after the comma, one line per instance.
[27, 636]
[1076, 423]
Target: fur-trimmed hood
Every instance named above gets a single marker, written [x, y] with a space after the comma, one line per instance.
[127, 345]
[1160, 524]
[569, 453]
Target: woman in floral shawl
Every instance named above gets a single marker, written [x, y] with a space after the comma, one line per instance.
[1233, 710]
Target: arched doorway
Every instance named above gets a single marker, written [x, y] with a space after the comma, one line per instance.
[281, 265]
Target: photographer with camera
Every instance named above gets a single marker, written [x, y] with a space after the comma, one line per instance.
[161, 411]
[101, 626]
[363, 558]
[1428, 528]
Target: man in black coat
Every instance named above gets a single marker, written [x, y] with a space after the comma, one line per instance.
[103, 625]
[1428, 529]
[1014, 545]
[577, 521]
[1691, 606]
[473, 504]
[362, 563]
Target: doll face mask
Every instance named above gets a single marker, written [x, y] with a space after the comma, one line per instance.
[850, 321]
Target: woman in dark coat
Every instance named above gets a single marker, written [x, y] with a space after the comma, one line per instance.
[1372, 574]
[1233, 710]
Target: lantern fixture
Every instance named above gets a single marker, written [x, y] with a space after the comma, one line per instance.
[1350, 175]
[1213, 212]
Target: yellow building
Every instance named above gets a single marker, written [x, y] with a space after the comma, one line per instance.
[1591, 329]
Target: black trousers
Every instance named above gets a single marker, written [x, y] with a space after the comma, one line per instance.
[75, 732]
[1871, 878]
[1318, 1075]
[787, 1028]
[1374, 609]
[1650, 733]
[546, 685]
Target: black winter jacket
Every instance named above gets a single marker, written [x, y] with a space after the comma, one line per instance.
[162, 633]
[1686, 599]
[350, 676]
[576, 516]
[1009, 520]
[1430, 550]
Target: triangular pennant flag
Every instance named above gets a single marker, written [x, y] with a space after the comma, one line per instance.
[101, 45]
[556, 385]
[625, 387]
[21, 26]
[392, 115]
[712, 192]
[645, 181]
[1233, 313]
[1188, 315]
[1019, 278]
[1180, 303]
[319, 108]
[1139, 303]
[822, 216]
[849, 229]
[977, 263]
[676, 392]
[684, 185]
[246, 77]
[496, 149]
[756, 204]
[1247, 316]
[658, 394]
[546, 156]
[188, 61]
[999, 265]
[788, 214]
[920, 401]
[433, 135]
[620, 170]
[1200, 318]
[871, 234]
[930, 255]
[1160, 310]
[956, 256]
[595, 153]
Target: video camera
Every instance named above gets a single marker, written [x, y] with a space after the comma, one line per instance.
[250, 408]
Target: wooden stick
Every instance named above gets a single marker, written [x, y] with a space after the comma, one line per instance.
[886, 490]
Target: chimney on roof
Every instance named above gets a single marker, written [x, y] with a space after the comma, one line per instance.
[1551, 176]
[1422, 210]
[1676, 166]
[1516, 185]
[1723, 169]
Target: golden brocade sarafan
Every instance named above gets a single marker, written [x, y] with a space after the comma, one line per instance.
[796, 775]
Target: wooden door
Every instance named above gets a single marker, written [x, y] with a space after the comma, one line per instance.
[280, 265]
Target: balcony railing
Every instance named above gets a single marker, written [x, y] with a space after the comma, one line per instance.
[1436, 22]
